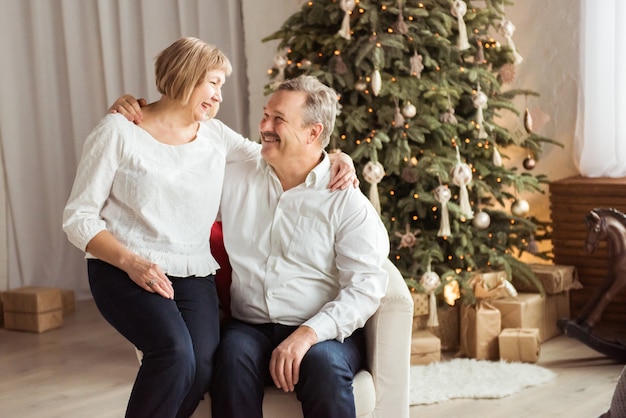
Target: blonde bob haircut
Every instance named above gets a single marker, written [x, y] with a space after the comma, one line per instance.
[185, 64]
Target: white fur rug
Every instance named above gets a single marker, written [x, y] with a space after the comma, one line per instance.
[470, 378]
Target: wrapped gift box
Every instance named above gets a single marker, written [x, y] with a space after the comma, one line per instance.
[420, 303]
[531, 310]
[35, 309]
[519, 344]
[524, 311]
[68, 300]
[554, 279]
[449, 328]
[425, 347]
[555, 307]
[480, 326]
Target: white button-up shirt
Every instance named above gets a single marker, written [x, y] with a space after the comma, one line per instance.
[305, 256]
[158, 200]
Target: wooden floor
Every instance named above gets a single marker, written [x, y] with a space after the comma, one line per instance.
[85, 369]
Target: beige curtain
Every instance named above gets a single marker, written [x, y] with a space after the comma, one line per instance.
[63, 63]
[600, 146]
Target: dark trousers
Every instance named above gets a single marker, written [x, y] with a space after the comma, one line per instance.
[178, 338]
[242, 372]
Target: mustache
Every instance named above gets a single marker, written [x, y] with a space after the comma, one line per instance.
[270, 135]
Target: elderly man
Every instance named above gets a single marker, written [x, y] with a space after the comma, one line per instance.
[307, 265]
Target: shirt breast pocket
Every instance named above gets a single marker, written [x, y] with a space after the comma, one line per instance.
[310, 240]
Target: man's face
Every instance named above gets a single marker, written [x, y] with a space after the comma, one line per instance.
[283, 135]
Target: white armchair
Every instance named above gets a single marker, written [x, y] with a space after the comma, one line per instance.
[381, 391]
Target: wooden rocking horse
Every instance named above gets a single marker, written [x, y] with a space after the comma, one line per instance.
[602, 225]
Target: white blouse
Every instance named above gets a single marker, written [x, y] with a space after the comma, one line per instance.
[158, 200]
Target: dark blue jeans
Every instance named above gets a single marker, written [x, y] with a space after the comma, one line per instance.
[178, 338]
[242, 372]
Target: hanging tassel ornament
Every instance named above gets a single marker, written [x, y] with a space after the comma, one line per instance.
[376, 82]
[480, 101]
[461, 175]
[442, 195]
[417, 65]
[497, 158]
[398, 119]
[459, 9]
[506, 28]
[340, 66]
[431, 281]
[347, 6]
[400, 26]
[373, 173]
[480, 53]
[280, 63]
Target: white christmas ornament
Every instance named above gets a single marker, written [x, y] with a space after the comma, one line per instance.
[442, 195]
[347, 6]
[520, 208]
[461, 175]
[481, 220]
[497, 158]
[507, 29]
[430, 281]
[458, 10]
[376, 82]
[480, 101]
[280, 62]
[409, 110]
[360, 85]
[373, 173]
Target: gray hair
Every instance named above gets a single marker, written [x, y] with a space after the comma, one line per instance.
[320, 105]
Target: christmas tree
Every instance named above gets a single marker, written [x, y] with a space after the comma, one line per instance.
[422, 86]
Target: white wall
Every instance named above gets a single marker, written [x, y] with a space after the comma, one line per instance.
[546, 35]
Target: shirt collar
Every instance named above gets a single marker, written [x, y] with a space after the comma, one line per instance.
[320, 175]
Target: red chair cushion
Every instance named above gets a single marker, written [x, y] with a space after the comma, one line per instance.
[222, 277]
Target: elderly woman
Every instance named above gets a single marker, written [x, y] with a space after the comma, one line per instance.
[143, 202]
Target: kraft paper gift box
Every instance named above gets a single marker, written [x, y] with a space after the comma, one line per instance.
[420, 303]
[425, 347]
[448, 330]
[524, 311]
[555, 307]
[480, 326]
[519, 344]
[35, 309]
[68, 300]
[555, 278]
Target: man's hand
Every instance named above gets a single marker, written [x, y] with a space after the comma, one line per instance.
[129, 107]
[286, 358]
[342, 172]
